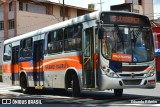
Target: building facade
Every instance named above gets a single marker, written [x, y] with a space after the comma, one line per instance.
[143, 6]
[21, 16]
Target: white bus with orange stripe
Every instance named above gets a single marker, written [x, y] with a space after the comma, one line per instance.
[97, 51]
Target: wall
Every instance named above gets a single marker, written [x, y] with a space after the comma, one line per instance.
[27, 22]
[36, 8]
[1, 33]
[56, 10]
[148, 8]
[1, 45]
[130, 1]
[31, 7]
[139, 8]
[72, 13]
[1, 8]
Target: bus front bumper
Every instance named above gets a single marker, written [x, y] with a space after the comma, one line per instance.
[120, 83]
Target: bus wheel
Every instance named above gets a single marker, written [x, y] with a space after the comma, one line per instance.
[75, 86]
[23, 84]
[118, 92]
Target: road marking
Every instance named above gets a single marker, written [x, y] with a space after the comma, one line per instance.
[132, 104]
[51, 96]
[8, 88]
[156, 105]
[144, 105]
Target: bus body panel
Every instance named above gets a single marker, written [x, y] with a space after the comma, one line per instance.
[55, 67]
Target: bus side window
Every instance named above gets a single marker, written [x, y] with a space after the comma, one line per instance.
[7, 52]
[26, 48]
[73, 38]
[55, 41]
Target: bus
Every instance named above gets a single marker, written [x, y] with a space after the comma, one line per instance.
[98, 51]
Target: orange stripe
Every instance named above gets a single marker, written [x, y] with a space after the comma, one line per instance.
[46, 65]
[6, 68]
[63, 64]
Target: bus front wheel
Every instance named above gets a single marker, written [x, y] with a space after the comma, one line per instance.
[75, 86]
[118, 92]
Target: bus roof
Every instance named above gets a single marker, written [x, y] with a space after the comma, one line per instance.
[80, 19]
[70, 22]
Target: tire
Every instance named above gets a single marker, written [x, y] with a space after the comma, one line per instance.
[118, 92]
[75, 86]
[24, 86]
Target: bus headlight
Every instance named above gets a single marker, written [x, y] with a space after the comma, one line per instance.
[110, 73]
[150, 73]
[113, 74]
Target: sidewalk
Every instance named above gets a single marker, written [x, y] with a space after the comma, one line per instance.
[7, 91]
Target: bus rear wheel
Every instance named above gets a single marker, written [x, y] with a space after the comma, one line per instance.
[75, 86]
[23, 83]
[118, 92]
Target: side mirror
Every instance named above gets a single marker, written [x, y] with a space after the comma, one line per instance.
[100, 33]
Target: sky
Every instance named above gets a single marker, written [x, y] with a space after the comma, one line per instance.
[106, 4]
[157, 8]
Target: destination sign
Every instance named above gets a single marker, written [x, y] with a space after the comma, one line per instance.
[124, 18]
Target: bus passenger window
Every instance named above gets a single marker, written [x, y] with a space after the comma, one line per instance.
[7, 52]
[26, 48]
[55, 41]
[73, 38]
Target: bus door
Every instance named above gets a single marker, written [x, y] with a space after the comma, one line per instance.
[88, 59]
[15, 67]
[38, 73]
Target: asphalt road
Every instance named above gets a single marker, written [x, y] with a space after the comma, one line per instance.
[131, 97]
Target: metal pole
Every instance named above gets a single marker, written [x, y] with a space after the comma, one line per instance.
[63, 12]
[101, 5]
[132, 5]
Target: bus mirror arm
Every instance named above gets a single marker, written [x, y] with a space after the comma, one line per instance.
[100, 29]
[100, 33]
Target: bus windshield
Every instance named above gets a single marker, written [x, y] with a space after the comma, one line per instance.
[127, 44]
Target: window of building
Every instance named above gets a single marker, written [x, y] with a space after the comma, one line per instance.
[55, 41]
[80, 12]
[26, 48]
[11, 24]
[73, 38]
[1, 25]
[66, 12]
[10, 6]
[61, 11]
[140, 2]
[20, 6]
[135, 10]
[26, 7]
[7, 52]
